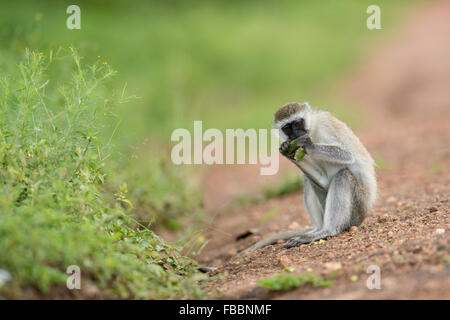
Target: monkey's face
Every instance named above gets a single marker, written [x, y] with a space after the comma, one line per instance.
[295, 129]
[293, 120]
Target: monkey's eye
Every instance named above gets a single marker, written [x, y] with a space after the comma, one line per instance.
[298, 123]
[287, 129]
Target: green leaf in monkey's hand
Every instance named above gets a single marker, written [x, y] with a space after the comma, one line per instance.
[300, 154]
[292, 146]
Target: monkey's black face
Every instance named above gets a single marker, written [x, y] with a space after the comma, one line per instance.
[295, 129]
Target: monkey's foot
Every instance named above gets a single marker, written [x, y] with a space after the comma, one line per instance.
[296, 241]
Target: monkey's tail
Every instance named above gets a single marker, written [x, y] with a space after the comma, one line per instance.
[273, 239]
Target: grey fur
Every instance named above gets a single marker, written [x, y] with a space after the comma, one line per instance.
[332, 154]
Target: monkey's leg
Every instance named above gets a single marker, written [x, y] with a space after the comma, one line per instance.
[341, 209]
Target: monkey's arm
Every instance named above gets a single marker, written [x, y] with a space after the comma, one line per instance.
[326, 152]
[307, 165]
[330, 153]
[312, 171]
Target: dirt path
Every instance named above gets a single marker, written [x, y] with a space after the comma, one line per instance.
[404, 88]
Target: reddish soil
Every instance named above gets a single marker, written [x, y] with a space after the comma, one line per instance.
[404, 89]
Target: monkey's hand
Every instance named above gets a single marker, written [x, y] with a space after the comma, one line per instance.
[305, 142]
[286, 149]
[295, 149]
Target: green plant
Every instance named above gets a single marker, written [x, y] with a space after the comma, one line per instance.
[53, 210]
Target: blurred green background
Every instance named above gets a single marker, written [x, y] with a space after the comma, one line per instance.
[228, 63]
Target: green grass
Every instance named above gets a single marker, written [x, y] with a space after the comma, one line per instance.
[269, 214]
[283, 282]
[289, 184]
[52, 210]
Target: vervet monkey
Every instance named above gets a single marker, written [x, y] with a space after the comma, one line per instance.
[339, 178]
